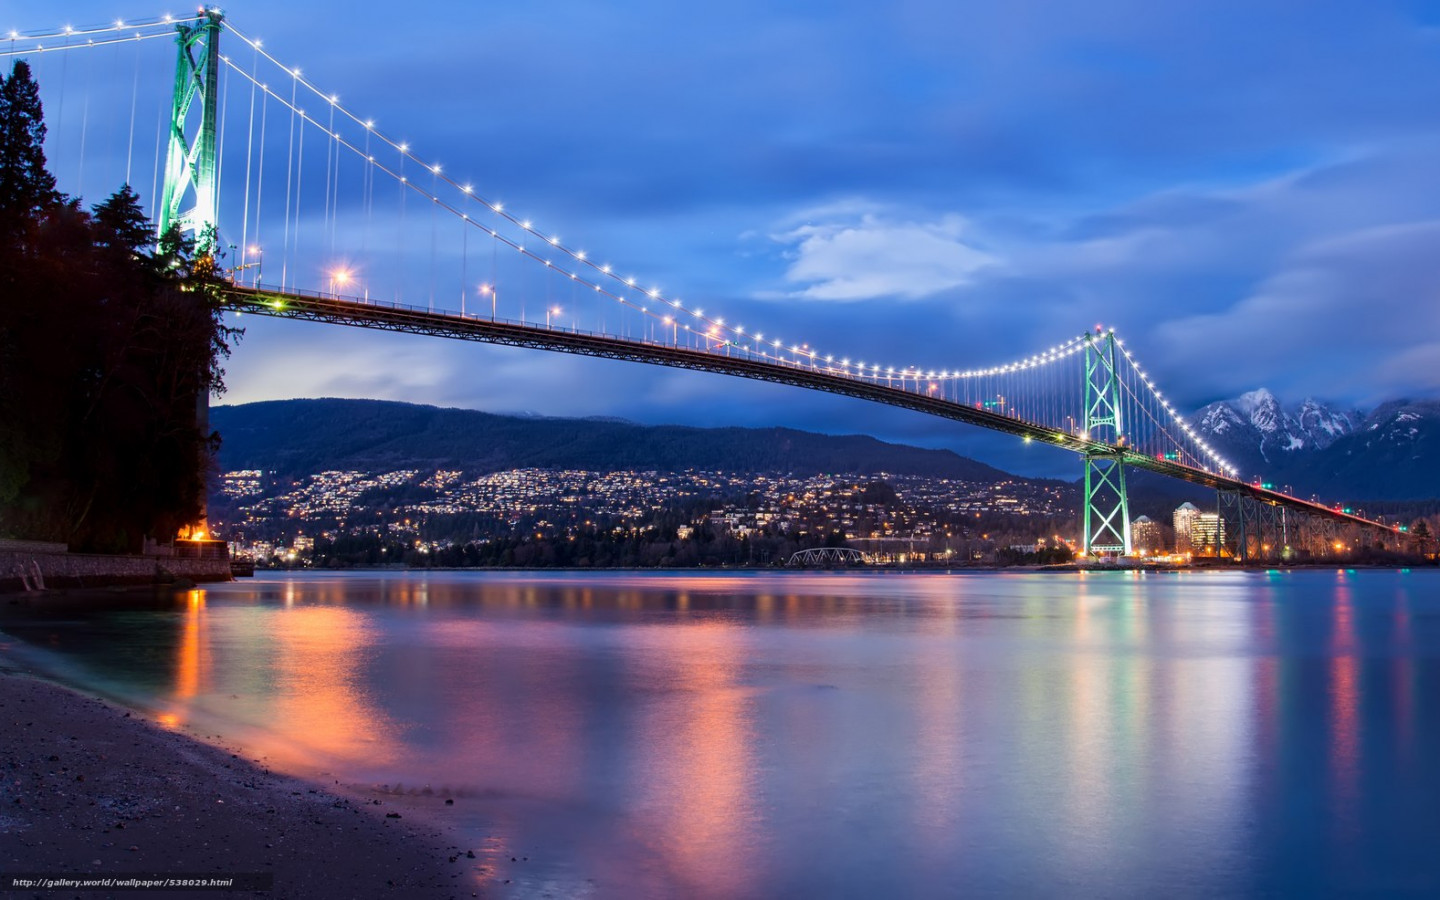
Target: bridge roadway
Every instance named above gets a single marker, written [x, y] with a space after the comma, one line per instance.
[417, 320]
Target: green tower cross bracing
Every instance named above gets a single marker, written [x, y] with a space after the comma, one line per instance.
[190, 164]
[1107, 508]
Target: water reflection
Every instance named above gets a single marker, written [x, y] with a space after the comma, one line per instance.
[190, 655]
[191, 660]
[1344, 707]
[747, 736]
[694, 768]
[319, 695]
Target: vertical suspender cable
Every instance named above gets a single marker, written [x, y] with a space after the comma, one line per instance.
[1047, 402]
[260, 185]
[60, 113]
[84, 130]
[367, 183]
[400, 269]
[1145, 420]
[160, 129]
[1126, 398]
[1154, 435]
[434, 224]
[249, 159]
[299, 183]
[107, 142]
[329, 151]
[289, 172]
[134, 102]
[224, 88]
[334, 205]
[1135, 423]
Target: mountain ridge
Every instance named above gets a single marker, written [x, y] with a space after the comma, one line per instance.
[1308, 448]
[1325, 449]
[303, 436]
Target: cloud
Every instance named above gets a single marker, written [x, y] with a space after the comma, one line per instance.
[1219, 287]
[1356, 312]
[1224, 286]
[850, 253]
[278, 359]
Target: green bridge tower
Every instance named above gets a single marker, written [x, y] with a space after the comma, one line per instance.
[190, 163]
[1107, 509]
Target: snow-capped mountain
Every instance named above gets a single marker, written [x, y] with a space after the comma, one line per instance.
[1394, 454]
[1322, 425]
[1258, 434]
[1329, 450]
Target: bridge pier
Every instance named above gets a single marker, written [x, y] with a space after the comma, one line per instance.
[1252, 530]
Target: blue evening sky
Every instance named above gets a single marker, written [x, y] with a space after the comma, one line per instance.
[1248, 191]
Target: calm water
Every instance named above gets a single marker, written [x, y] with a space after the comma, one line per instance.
[1118, 735]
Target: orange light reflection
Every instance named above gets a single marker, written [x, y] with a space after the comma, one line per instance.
[703, 760]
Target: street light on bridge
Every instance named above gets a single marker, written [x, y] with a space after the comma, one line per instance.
[552, 311]
[339, 278]
[494, 297]
[252, 251]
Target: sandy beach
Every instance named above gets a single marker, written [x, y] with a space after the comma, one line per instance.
[90, 789]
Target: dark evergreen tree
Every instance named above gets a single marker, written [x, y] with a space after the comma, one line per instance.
[27, 195]
[107, 351]
[27, 188]
[121, 225]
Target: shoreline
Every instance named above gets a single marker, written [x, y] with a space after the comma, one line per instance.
[26, 566]
[899, 570]
[92, 789]
[15, 594]
[11, 587]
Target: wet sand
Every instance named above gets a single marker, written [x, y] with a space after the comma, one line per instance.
[87, 788]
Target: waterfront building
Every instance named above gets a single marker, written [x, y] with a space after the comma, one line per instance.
[1207, 534]
[1185, 516]
[1145, 536]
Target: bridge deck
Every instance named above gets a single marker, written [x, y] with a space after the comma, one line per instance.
[415, 320]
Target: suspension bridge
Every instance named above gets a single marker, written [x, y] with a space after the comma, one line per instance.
[328, 218]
